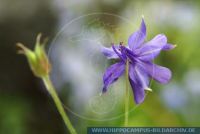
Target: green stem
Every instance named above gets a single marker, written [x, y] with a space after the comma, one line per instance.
[126, 96]
[58, 103]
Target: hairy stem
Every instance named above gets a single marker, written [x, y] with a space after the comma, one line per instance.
[126, 96]
[58, 104]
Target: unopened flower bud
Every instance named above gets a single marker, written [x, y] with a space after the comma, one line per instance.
[37, 58]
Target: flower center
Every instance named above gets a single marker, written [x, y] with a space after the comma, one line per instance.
[127, 53]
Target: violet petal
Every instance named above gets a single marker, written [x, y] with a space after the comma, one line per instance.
[151, 49]
[138, 37]
[109, 53]
[112, 74]
[158, 73]
[138, 82]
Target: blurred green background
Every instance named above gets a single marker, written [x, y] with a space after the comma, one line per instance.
[26, 107]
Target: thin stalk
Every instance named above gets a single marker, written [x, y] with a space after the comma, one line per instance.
[58, 104]
[126, 96]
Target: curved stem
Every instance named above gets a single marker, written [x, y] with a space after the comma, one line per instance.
[58, 103]
[126, 96]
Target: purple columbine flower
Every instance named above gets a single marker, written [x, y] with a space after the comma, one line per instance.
[140, 55]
